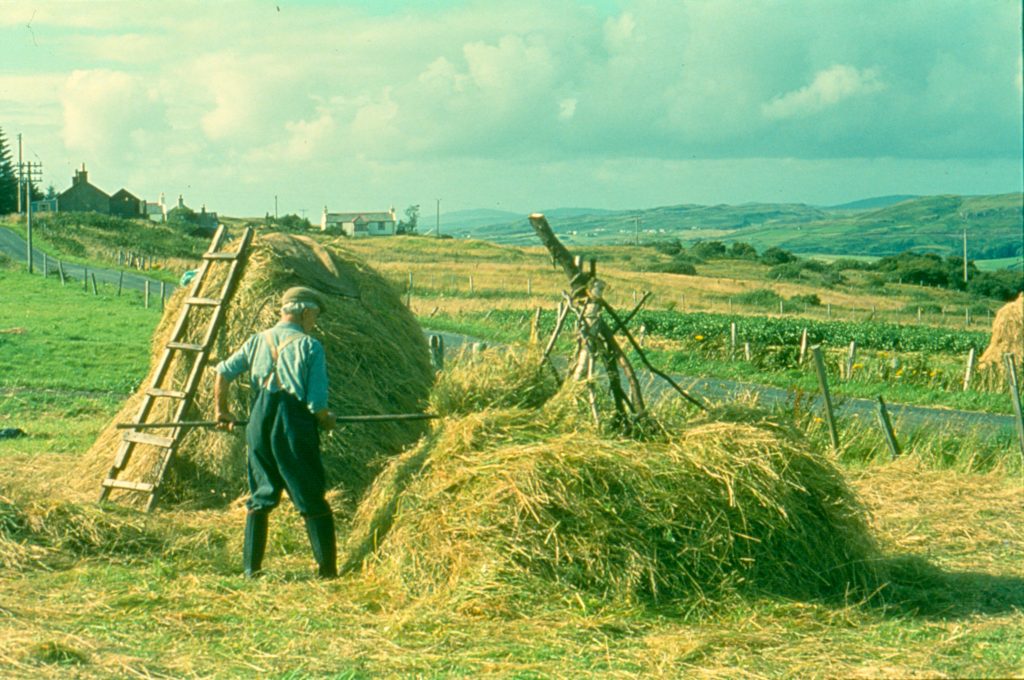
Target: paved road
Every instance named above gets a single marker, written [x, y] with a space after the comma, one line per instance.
[905, 417]
[14, 247]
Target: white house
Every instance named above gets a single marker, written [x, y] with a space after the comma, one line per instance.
[368, 223]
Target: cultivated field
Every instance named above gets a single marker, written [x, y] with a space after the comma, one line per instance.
[99, 592]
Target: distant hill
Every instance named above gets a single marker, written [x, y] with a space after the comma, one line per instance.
[881, 226]
[876, 202]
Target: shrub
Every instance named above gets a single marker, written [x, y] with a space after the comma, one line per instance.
[774, 256]
[809, 300]
[671, 247]
[709, 249]
[762, 297]
[742, 251]
[788, 271]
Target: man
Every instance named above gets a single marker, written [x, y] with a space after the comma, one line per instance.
[288, 375]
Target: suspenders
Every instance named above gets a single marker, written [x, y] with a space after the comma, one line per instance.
[275, 353]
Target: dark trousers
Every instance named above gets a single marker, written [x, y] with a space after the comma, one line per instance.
[284, 453]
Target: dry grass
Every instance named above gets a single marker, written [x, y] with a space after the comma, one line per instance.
[377, 363]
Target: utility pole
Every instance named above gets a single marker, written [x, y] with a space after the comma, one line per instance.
[275, 206]
[32, 171]
[438, 224]
[20, 160]
[965, 254]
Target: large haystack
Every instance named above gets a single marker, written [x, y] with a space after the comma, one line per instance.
[1007, 334]
[377, 362]
[507, 507]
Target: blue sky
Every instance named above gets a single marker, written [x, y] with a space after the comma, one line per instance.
[518, 106]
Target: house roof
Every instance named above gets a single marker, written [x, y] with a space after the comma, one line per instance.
[361, 217]
[124, 193]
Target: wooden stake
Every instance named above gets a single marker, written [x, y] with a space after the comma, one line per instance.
[145, 299]
[890, 436]
[803, 346]
[85, 278]
[94, 290]
[969, 371]
[437, 352]
[732, 339]
[746, 351]
[1011, 377]
[819, 364]
[851, 357]
[163, 294]
[120, 282]
[60, 270]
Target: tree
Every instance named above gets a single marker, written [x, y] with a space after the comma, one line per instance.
[412, 218]
[8, 179]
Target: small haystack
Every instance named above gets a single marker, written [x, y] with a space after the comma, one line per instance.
[1007, 335]
[377, 362]
[515, 505]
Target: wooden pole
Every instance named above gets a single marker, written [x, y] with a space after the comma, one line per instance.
[94, 289]
[732, 339]
[437, 352]
[120, 282]
[163, 294]
[969, 371]
[803, 346]
[46, 265]
[886, 423]
[145, 298]
[85, 279]
[60, 270]
[746, 351]
[851, 357]
[1011, 377]
[819, 364]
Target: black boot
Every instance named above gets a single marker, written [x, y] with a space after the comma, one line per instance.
[256, 525]
[321, 538]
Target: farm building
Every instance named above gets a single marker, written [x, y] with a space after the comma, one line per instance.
[83, 196]
[369, 223]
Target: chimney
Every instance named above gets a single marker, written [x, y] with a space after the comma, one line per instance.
[181, 201]
[81, 176]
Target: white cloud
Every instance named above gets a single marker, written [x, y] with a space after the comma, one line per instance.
[567, 108]
[829, 87]
[109, 113]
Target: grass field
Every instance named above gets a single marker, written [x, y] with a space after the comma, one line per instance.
[89, 592]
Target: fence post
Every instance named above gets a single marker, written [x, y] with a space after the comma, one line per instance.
[803, 346]
[46, 265]
[819, 365]
[780, 307]
[828, 309]
[145, 298]
[94, 290]
[1011, 376]
[890, 436]
[85, 278]
[437, 352]
[732, 339]
[529, 285]
[969, 372]
[163, 294]
[120, 282]
[746, 351]
[60, 270]
[472, 286]
[851, 357]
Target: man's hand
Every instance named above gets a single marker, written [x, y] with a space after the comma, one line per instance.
[326, 419]
[225, 420]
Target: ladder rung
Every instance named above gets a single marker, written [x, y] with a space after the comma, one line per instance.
[185, 346]
[170, 394]
[220, 256]
[130, 486]
[201, 301]
[151, 439]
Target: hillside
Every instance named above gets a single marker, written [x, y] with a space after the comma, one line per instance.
[934, 223]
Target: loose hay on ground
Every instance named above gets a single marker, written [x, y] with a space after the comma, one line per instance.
[377, 362]
[506, 506]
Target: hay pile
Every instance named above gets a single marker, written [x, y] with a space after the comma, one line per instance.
[1007, 335]
[508, 506]
[377, 362]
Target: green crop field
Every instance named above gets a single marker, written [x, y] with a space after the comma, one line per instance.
[95, 592]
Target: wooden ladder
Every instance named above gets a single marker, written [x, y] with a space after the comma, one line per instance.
[176, 347]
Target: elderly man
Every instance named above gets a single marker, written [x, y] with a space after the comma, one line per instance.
[288, 375]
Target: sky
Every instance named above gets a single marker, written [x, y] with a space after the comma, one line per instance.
[520, 106]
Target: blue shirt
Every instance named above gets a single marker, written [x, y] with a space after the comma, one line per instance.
[301, 364]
